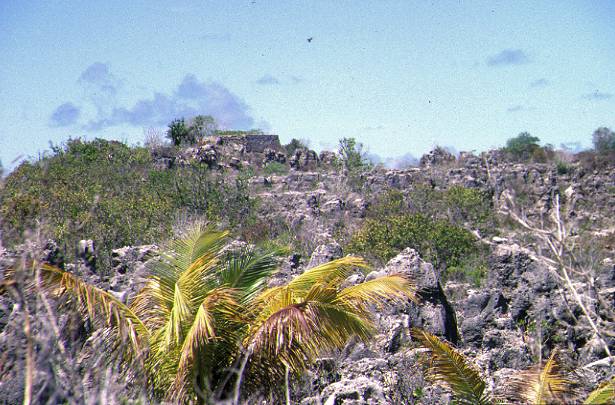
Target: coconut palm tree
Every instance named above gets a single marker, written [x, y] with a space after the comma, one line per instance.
[206, 321]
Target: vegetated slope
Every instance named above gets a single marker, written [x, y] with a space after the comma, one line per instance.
[112, 194]
[490, 288]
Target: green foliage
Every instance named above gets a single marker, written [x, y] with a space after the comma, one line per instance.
[469, 207]
[438, 241]
[522, 146]
[352, 155]
[547, 383]
[449, 366]
[275, 168]
[206, 321]
[604, 394]
[293, 145]
[115, 195]
[433, 222]
[603, 140]
[218, 197]
[563, 168]
[201, 127]
[472, 269]
[178, 132]
[97, 190]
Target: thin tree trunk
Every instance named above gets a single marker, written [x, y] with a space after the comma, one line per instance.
[240, 375]
[286, 385]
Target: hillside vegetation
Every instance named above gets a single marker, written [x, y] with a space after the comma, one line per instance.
[224, 267]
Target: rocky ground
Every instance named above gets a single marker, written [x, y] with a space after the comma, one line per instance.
[521, 311]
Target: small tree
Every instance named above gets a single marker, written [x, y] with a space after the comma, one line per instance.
[604, 140]
[178, 132]
[523, 146]
[352, 155]
[293, 145]
[201, 127]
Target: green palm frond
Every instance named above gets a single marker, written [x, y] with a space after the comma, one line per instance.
[197, 242]
[180, 316]
[452, 368]
[338, 269]
[542, 384]
[378, 291]
[100, 306]
[297, 322]
[218, 321]
[604, 394]
[248, 271]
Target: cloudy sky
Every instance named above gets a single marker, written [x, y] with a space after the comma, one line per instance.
[400, 76]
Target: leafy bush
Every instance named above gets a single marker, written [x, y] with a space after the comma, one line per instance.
[563, 168]
[89, 190]
[275, 168]
[178, 132]
[438, 241]
[603, 140]
[201, 126]
[524, 147]
[293, 145]
[469, 207]
[472, 269]
[115, 195]
[352, 155]
[391, 202]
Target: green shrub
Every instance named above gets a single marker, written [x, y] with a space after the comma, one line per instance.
[293, 145]
[563, 168]
[391, 202]
[603, 140]
[201, 126]
[179, 133]
[522, 146]
[272, 168]
[352, 156]
[96, 190]
[115, 195]
[470, 207]
[438, 241]
[472, 269]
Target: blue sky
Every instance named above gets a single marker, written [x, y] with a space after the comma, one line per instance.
[400, 76]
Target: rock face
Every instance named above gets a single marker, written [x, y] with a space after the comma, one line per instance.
[438, 156]
[505, 326]
[130, 270]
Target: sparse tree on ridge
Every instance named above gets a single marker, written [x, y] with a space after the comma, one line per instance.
[604, 140]
[178, 132]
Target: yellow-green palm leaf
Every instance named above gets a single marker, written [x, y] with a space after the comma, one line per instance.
[604, 394]
[312, 314]
[449, 366]
[542, 385]
[338, 270]
[100, 306]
